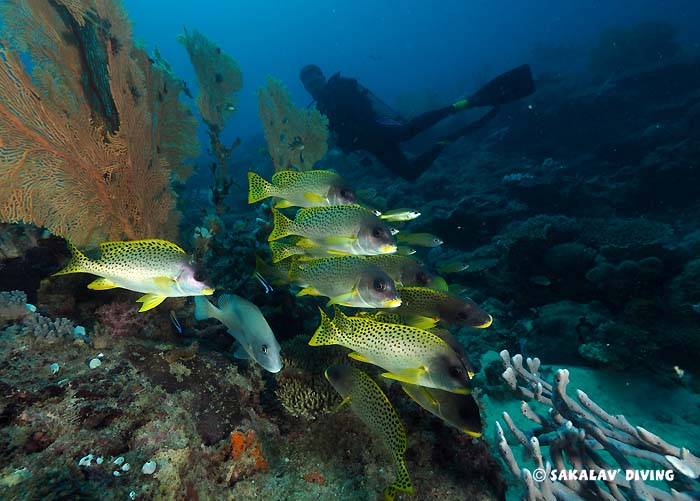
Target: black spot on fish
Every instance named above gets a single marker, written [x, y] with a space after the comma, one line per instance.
[218, 78]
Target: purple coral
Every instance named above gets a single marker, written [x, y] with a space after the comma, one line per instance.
[120, 319]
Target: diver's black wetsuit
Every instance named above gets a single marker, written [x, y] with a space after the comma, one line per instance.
[363, 122]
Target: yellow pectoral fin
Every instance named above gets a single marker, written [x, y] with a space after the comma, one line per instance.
[283, 204]
[337, 252]
[164, 283]
[360, 358]
[305, 243]
[472, 433]
[440, 284]
[461, 391]
[308, 291]
[315, 198]
[337, 407]
[420, 322]
[411, 376]
[150, 301]
[343, 299]
[102, 284]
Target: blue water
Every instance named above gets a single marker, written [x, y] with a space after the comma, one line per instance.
[393, 46]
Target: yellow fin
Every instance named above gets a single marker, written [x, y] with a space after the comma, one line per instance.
[78, 262]
[325, 334]
[360, 358]
[305, 243]
[102, 284]
[420, 322]
[150, 301]
[283, 204]
[337, 252]
[472, 433]
[486, 324]
[258, 188]
[343, 299]
[439, 284]
[163, 282]
[315, 198]
[308, 291]
[346, 400]
[281, 251]
[411, 376]
[282, 226]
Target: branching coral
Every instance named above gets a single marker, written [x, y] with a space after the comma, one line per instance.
[296, 138]
[576, 433]
[219, 79]
[79, 142]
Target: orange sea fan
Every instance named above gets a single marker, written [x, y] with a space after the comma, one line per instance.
[86, 173]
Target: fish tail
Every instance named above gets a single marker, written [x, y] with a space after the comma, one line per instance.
[403, 480]
[258, 188]
[282, 251]
[282, 226]
[325, 334]
[203, 309]
[79, 262]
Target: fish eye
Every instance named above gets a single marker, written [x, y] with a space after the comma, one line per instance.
[377, 232]
[422, 278]
[347, 193]
[199, 275]
[379, 285]
[263, 348]
[456, 372]
[462, 315]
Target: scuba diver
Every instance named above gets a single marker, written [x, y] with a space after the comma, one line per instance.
[361, 121]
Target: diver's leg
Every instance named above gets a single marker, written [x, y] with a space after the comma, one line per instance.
[421, 163]
[394, 159]
[422, 122]
[476, 125]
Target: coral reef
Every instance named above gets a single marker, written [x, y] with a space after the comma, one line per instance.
[91, 135]
[574, 433]
[296, 138]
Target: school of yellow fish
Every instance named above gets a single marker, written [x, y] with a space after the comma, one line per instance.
[337, 248]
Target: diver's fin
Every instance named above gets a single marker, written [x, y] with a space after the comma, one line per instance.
[509, 86]
[309, 291]
[411, 376]
[315, 198]
[360, 358]
[420, 322]
[258, 188]
[102, 284]
[343, 299]
[150, 301]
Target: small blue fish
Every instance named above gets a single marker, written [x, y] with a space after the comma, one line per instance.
[264, 283]
[175, 321]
